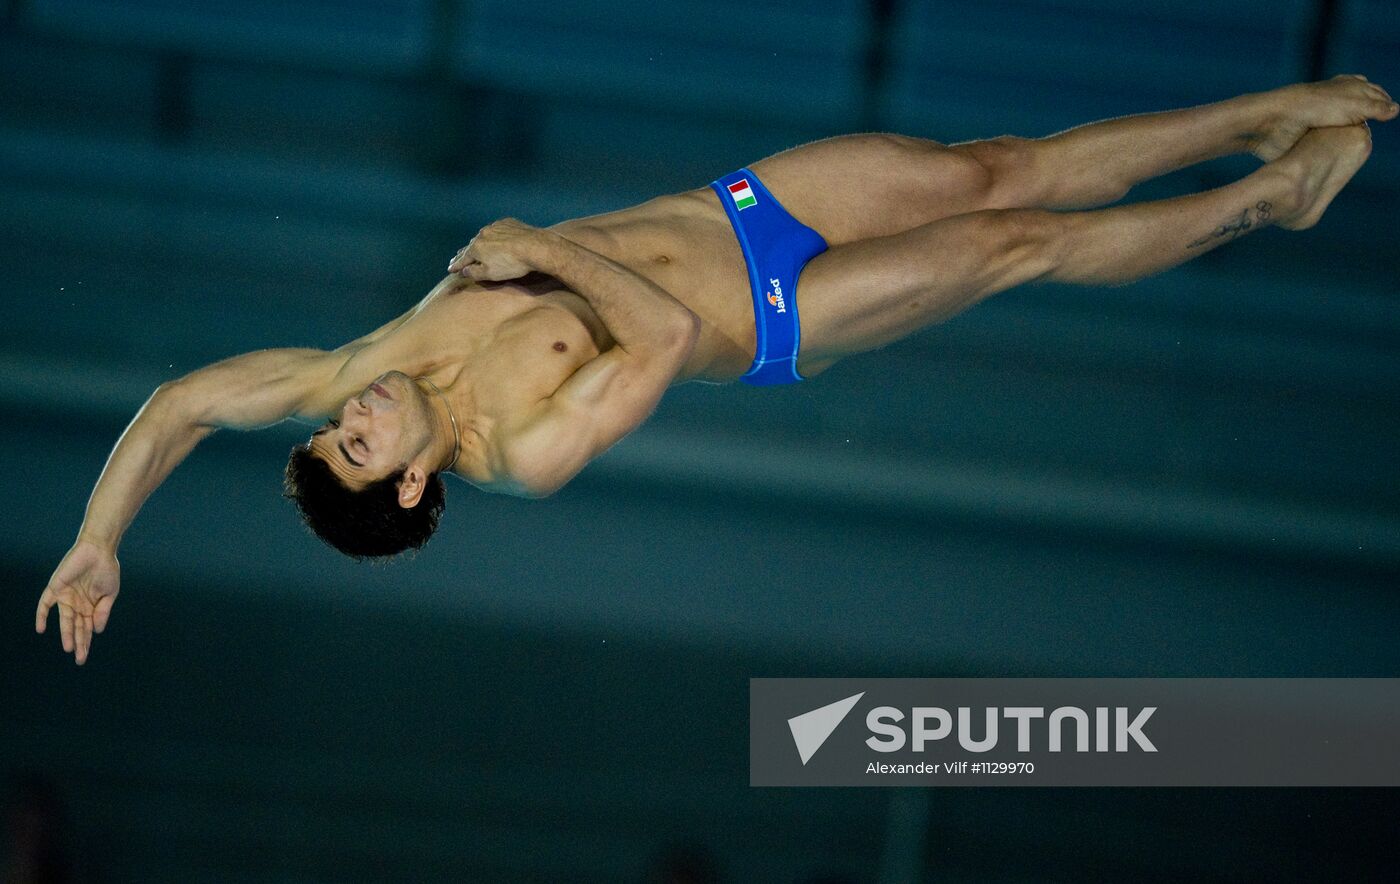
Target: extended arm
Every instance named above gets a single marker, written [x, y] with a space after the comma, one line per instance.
[244, 392]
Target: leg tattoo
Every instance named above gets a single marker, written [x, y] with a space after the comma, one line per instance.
[1237, 224]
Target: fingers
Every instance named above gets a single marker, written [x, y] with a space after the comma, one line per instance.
[464, 260]
[82, 638]
[65, 626]
[41, 614]
[468, 268]
[75, 626]
[495, 235]
[478, 271]
[104, 610]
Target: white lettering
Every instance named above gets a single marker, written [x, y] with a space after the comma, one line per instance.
[1081, 733]
[1111, 728]
[1134, 730]
[922, 734]
[775, 297]
[1023, 716]
[875, 721]
[988, 742]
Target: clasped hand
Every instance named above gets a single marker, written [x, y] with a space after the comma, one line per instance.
[502, 250]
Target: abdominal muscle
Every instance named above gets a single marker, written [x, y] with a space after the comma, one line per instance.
[684, 244]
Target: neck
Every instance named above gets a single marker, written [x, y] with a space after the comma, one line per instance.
[450, 433]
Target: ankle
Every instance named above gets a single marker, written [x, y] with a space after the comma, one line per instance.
[1261, 113]
[1282, 192]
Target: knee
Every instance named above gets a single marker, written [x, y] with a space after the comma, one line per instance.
[1005, 165]
[1031, 241]
[949, 169]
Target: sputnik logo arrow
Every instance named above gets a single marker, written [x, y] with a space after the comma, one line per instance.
[810, 729]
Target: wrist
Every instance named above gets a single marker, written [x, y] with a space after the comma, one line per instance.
[545, 251]
[103, 539]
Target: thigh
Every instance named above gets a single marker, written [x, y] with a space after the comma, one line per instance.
[855, 187]
[863, 295]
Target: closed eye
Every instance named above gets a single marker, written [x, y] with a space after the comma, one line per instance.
[358, 442]
[353, 462]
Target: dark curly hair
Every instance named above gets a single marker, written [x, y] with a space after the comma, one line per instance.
[364, 524]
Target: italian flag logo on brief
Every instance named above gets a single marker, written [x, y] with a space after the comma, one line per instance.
[742, 194]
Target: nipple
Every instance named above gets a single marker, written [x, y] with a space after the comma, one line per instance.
[560, 346]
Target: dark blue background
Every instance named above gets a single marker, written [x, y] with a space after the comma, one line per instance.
[1195, 475]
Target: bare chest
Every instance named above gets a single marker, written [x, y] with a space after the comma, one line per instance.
[505, 347]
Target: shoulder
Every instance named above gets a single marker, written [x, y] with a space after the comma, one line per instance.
[254, 390]
[539, 452]
[327, 378]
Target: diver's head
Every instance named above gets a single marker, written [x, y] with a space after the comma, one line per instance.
[367, 481]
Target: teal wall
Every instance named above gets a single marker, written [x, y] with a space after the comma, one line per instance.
[1194, 475]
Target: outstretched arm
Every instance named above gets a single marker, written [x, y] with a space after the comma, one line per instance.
[244, 392]
[611, 394]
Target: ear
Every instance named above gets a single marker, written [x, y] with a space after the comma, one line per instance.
[411, 486]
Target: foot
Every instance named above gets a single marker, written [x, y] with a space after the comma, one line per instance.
[1319, 165]
[1344, 100]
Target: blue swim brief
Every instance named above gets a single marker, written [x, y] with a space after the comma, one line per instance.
[776, 248]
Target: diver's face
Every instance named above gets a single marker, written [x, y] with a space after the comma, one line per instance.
[376, 431]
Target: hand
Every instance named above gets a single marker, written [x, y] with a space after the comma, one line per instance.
[84, 586]
[500, 251]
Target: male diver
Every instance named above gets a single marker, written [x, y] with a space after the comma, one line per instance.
[543, 347]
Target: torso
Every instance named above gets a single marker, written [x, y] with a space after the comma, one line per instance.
[494, 350]
[497, 349]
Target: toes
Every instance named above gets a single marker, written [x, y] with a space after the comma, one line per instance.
[1380, 109]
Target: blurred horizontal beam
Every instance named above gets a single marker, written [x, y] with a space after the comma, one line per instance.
[1012, 496]
[134, 166]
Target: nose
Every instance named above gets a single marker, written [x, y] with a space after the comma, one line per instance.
[353, 413]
